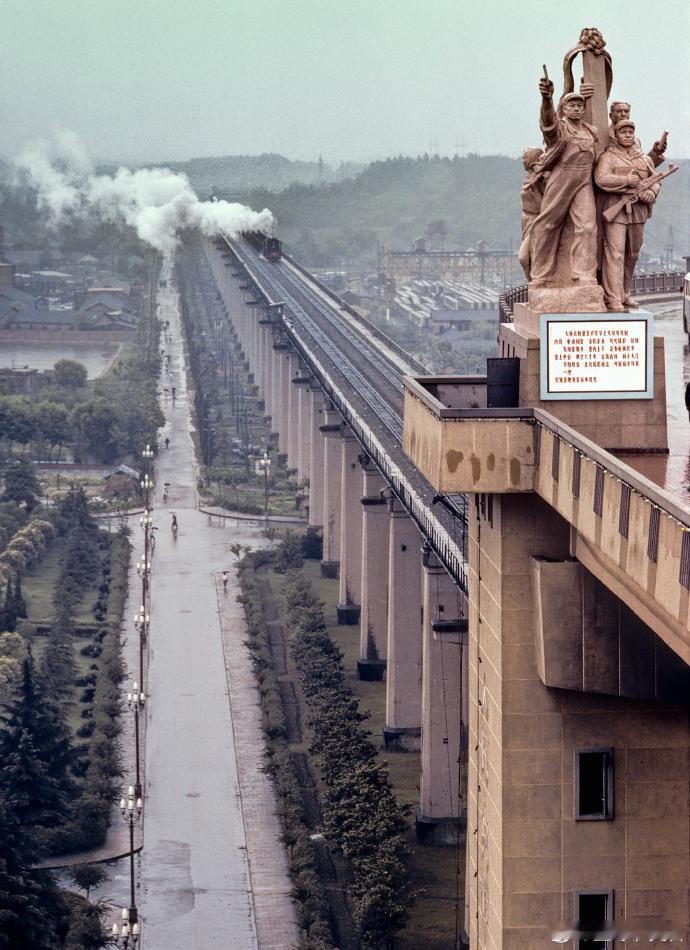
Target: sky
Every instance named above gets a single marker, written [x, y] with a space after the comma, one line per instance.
[156, 80]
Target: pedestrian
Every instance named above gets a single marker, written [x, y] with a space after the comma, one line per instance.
[225, 580]
[173, 393]
[167, 442]
[687, 398]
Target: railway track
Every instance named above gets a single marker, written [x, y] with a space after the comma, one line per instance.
[376, 379]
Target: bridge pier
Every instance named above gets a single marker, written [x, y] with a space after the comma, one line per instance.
[330, 432]
[404, 664]
[301, 382]
[349, 594]
[292, 416]
[316, 455]
[283, 373]
[371, 664]
[441, 814]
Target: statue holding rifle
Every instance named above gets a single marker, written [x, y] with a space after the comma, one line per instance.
[629, 182]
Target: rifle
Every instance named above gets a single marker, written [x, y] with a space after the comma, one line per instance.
[630, 197]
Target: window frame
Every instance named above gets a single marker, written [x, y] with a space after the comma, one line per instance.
[594, 892]
[608, 812]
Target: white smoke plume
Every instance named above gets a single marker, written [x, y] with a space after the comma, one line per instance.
[156, 202]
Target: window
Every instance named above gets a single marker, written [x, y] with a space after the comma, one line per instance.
[593, 784]
[653, 537]
[592, 909]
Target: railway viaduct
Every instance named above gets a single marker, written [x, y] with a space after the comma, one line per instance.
[521, 587]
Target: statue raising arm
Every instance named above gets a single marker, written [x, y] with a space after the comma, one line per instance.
[548, 119]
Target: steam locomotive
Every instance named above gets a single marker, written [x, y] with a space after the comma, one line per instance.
[269, 247]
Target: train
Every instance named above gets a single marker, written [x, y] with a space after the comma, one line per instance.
[269, 247]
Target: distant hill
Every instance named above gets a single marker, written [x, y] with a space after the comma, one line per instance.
[232, 174]
[393, 202]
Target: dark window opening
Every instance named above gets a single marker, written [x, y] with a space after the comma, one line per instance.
[594, 784]
[594, 909]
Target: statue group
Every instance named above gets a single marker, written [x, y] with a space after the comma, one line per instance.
[588, 191]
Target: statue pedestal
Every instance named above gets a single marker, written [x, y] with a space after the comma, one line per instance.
[620, 425]
[585, 298]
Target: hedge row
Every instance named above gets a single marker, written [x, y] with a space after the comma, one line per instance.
[363, 818]
[308, 893]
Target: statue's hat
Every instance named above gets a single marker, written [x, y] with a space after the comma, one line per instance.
[569, 96]
[624, 123]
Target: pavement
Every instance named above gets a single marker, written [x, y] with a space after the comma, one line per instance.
[213, 871]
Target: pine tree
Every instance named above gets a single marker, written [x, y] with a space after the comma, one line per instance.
[58, 666]
[36, 755]
[19, 602]
[9, 613]
[32, 912]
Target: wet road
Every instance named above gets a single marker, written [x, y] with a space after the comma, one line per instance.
[195, 890]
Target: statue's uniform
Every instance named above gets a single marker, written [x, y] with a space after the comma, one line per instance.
[568, 193]
[623, 236]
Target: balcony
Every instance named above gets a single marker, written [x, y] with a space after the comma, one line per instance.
[459, 444]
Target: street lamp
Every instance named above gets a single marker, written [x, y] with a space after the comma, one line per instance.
[265, 466]
[127, 936]
[141, 623]
[135, 701]
[131, 809]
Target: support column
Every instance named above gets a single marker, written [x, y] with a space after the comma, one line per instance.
[284, 386]
[371, 664]
[330, 431]
[316, 453]
[266, 345]
[444, 633]
[402, 731]
[273, 391]
[301, 382]
[350, 592]
[292, 420]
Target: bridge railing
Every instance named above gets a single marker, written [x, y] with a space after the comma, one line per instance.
[664, 282]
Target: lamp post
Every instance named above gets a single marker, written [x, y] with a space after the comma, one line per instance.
[265, 466]
[131, 809]
[128, 936]
[135, 701]
[141, 623]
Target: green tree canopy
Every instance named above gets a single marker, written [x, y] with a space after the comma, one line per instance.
[21, 484]
[70, 374]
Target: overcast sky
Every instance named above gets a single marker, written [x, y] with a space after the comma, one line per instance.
[149, 80]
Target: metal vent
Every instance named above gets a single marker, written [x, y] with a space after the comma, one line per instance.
[653, 538]
[555, 457]
[624, 514]
[537, 445]
[684, 578]
[599, 491]
[577, 465]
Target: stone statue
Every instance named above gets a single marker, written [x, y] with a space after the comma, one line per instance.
[622, 169]
[531, 198]
[568, 193]
[621, 110]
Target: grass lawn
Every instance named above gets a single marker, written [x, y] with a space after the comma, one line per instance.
[438, 873]
[38, 586]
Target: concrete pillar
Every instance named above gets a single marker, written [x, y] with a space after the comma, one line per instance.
[350, 592]
[404, 656]
[273, 393]
[444, 653]
[374, 614]
[284, 387]
[301, 382]
[292, 419]
[316, 453]
[266, 345]
[330, 431]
